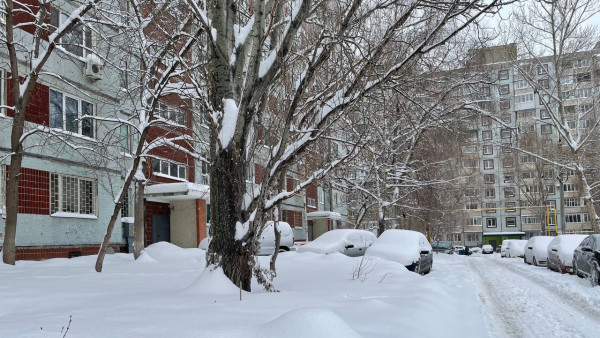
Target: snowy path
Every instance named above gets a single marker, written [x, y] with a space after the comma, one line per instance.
[521, 304]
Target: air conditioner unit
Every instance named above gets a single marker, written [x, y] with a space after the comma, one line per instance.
[93, 67]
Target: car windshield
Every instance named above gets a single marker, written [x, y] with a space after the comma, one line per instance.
[443, 245]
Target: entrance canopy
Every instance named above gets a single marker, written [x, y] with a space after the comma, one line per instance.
[323, 215]
[169, 192]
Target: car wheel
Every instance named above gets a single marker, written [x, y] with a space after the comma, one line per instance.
[594, 273]
[535, 262]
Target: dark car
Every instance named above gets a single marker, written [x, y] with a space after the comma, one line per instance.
[586, 259]
[442, 246]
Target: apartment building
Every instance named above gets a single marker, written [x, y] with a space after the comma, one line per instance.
[510, 193]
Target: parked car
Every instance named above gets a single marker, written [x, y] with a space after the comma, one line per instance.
[487, 249]
[503, 247]
[457, 248]
[586, 259]
[409, 248]
[560, 252]
[536, 250]
[476, 250]
[442, 246]
[516, 248]
[350, 242]
[267, 241]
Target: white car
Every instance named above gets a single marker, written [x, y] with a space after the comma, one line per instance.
[409, 248]
[267, 241]
[516, 248]
[487, 249]
[503, 247]
[536, 250]
[350, 242]
[457, 248]
[560, 252]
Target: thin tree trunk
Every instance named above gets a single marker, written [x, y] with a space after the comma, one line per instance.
[277, 243]
[138, 227]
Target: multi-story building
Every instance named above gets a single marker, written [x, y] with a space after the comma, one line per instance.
[510, 192]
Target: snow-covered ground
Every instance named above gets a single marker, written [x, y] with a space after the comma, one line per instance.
[166, 294]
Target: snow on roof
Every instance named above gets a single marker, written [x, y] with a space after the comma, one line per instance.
[184, 189]
[506, 233]
[323, 214]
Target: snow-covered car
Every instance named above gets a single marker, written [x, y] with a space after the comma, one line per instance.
[487, 249]
[560, 252]
[476, 250]
[407, 247]
[350, 242]
[536, 250]
[516, 248]
[586, 259]
[503, 247]
[457, 248]
[267, 241]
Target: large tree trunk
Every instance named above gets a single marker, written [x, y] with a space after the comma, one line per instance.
[224, 250]
[138, 223]
[12, 205]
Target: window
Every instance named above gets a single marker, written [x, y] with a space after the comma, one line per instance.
[572, 202]
[310, 202]
[491, 207]
[577, 218]
[521, 84]
[125, 139]
[544, 98]
[527, 158]
[506, 148]
[568, 187]
[78, 41]
[74, 195]
[471, 206]
[542, 69]
[585, 108]
[126, 206]
[524, 98]
[2, 188]
[510, 207]
[2, 87]
[472, 133]
[505, 104]
[526, 128]
[525, 113]
[488, 149]
[469, 149]
[321, 196]
[547, 143]
[470, 163]
[544, 83]
[456, 237]
[548, 173]
[544, 114]
[529, 219]
[505, 133]
[490, 193]
[503, 74]
[473, 237]
[509, 192]
[485, 105]
[585, 77]
[488, 164]
[509, 178]
[583, 92]
[470, 192]
[486, 121]
[486, 134]
[566, 80]
[173, 169]
[550, 189]
[490, 222]
[485, 91]
[489, 178]
[527, 174]
[511, 221]
[507, 162]
[532, 189]
[504, 89]
[171, 114]
[474, 221]
[581, 63]
[68, 113]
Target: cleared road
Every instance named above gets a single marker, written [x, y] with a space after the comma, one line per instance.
[528, 301]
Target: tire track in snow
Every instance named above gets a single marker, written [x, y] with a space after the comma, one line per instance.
[521, 307]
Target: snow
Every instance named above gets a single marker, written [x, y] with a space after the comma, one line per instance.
[73, 215]
[566, 245]
[168, 292]
[173, 188]
[323, 214]
[402, 246]
[516, 247]
[337, 240]
[230, 116]
[127, 220]
[539, 246]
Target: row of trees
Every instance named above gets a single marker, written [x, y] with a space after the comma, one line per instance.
[298, 70]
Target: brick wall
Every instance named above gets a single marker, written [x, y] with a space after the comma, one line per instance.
[311, 192]
[153, 208]
[259, 172]
[293, 218]
[34, 191]
[24, 12]
[39, 253]
[38, 110]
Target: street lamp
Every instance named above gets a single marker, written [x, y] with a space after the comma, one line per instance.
[561, 179]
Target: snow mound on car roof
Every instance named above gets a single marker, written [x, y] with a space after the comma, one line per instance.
[212, 281]
[337, 240]
[402, 246]
[165, 252]
[301, 323]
